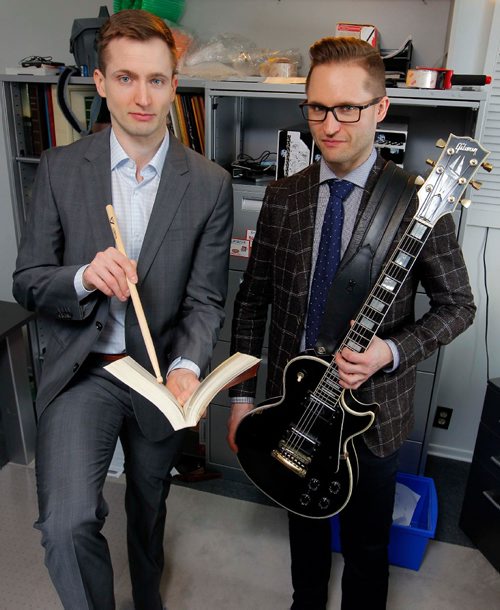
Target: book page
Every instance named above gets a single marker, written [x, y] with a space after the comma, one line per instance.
[139, 379]
[221, 377]
[231, 371]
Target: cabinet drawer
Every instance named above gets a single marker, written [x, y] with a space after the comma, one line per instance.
[491, 409]
[247, 205]
[480, 518]
[218, 451]
[487, 451]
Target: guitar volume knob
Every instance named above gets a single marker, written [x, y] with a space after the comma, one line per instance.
[305, 499]
[334, 487]
[324, 503]
[313, 484]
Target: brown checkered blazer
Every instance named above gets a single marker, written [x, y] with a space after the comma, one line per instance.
[278, 274]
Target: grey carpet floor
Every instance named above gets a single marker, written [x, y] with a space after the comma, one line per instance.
[222, 554]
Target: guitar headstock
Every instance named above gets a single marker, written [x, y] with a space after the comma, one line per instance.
[451, 173]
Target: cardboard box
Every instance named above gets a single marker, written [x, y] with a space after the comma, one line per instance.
[408, 543]
[364, 31]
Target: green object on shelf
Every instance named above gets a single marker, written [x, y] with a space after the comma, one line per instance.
[166, 9]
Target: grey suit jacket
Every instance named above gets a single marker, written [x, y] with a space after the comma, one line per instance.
[182, 267]
[278, 274]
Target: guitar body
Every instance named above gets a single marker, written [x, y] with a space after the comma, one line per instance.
[299, 451]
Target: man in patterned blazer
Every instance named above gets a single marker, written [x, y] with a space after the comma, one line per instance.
[346, 98]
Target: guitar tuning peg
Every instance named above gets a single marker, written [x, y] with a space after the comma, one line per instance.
[419, 180]
[487, 166]
[440, 143]
[465, 202]
[476, 185]
[430, 162]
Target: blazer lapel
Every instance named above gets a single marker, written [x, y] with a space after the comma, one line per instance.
[173, 184]
[365, 213]
[97, 177]
[302, 206]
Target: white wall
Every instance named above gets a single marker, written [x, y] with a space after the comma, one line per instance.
[43, 28]
[281, 24]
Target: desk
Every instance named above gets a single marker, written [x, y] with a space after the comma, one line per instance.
[17, 412]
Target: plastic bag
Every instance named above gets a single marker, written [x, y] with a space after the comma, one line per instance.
[243, 55]
[223, 48]
[268, 62]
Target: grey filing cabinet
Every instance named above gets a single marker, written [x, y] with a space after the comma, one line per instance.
[245, 118]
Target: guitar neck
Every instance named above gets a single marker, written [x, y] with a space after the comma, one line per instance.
[386, 289]
[439, 195]
[381, 298]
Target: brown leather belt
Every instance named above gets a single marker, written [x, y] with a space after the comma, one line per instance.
[107, 357]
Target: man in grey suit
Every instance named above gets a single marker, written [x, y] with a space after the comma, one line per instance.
[174, 211]
[346, 98]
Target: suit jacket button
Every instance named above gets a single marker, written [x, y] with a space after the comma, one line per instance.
[98, 325]
[75, 367]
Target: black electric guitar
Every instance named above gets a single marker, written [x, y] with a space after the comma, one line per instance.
[298, 449]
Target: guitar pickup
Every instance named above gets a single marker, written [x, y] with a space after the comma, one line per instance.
[305, 437]
[294, 459]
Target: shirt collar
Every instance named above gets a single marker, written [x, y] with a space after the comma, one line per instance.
[358, 176]
[119, 156]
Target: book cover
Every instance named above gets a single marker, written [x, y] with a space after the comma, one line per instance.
[49, 115]
[64, 133]
[39, 129]
[80, 100]
[235, 369]
[182, 121]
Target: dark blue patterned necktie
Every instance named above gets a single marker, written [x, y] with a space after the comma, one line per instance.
[328, 257]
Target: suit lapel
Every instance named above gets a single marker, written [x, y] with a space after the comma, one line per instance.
[365, 213]
[96, 171]
[173, 184]
[302, 206]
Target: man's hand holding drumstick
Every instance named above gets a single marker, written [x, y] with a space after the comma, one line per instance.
[114, 274]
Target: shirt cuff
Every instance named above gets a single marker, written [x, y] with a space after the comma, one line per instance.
[240, 400]
[81, 291]
[184, 363]
[395, 356]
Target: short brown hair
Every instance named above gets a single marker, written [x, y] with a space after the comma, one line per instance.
[343, 50]
[137, 25]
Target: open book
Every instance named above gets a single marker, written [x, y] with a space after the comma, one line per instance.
[235, 369]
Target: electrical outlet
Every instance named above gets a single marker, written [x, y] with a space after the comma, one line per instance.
[442, 417]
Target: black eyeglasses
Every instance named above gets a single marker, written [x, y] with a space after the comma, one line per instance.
[346, 113]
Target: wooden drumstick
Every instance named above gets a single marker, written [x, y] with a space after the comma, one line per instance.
[135, 297]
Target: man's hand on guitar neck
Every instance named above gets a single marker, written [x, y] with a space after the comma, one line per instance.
[354, 369]
[238, 410]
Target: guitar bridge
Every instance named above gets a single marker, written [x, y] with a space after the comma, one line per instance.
[293, 459]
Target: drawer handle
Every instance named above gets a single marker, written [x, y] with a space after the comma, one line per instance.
[495, 460]
[489, 497]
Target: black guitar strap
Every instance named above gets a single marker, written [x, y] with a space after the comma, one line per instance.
[389, 201]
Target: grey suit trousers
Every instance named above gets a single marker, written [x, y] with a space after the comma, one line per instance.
[77, 436]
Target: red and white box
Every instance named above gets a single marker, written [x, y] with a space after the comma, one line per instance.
[364, 31]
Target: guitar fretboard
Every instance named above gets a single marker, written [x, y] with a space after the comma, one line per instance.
[376, 306]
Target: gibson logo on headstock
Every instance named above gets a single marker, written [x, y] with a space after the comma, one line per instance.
[465, 148]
